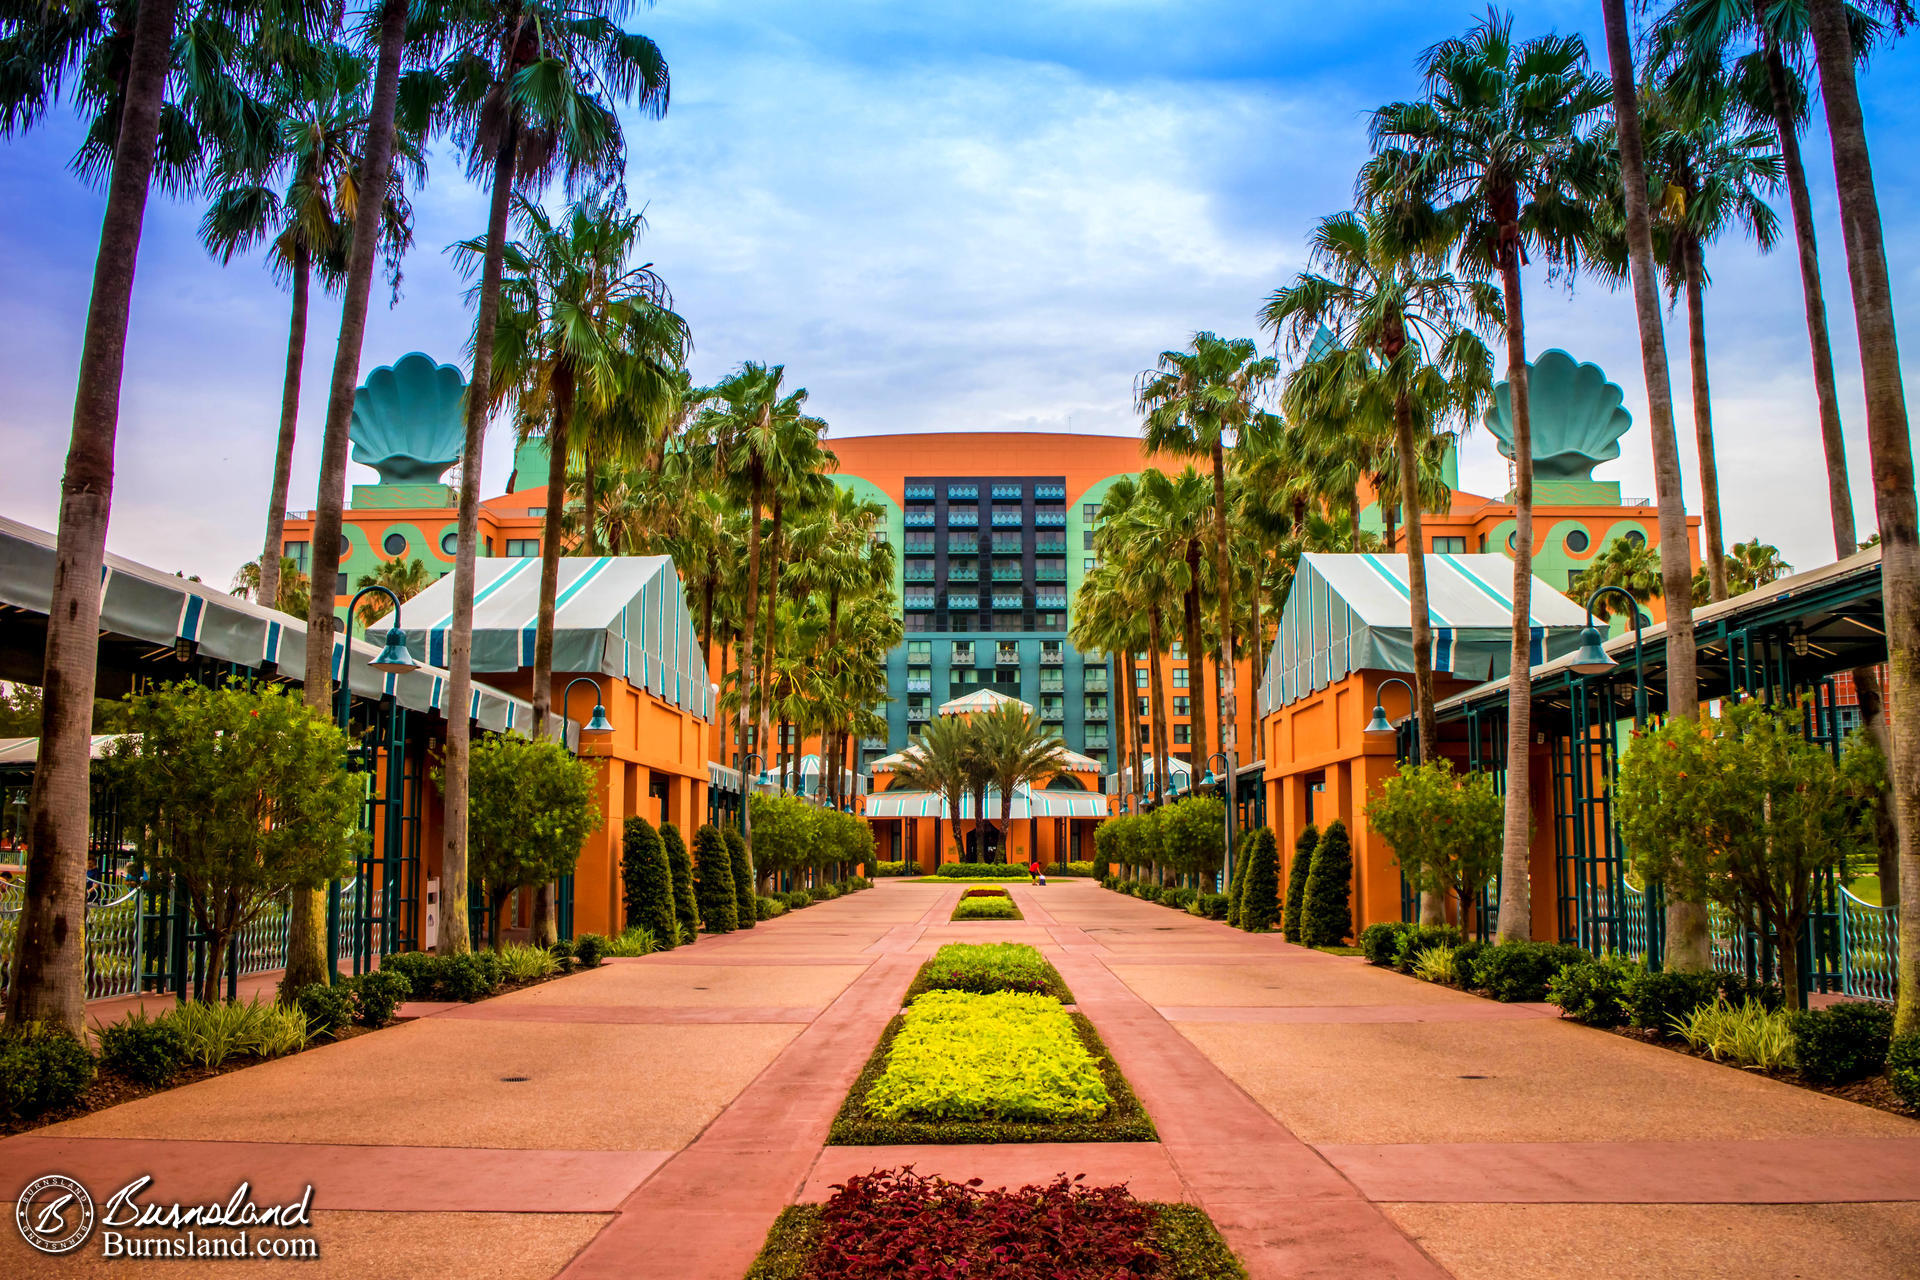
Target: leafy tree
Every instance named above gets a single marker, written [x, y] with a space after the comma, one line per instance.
[944, 758]
[1297, 874]
[1750, 566]
[1327, 913]
[1017, 749]
[1745, 812]
[405, 578]
[1261, 894]
[1627, 563]
[1445, 830]
[647, 881]
[532, 809]
[713, 883]
[292, 593]
[240, 794]
[686, 912]
[744, 912]
[1193, 835]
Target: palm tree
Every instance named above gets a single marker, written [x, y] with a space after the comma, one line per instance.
[1104, 622]
[1627, 563]
[1192, 402]
[943, 759]
[1891, 450]
[1171, 522]
[316, 118]
[1020, 750]
[120, 77]
[579, 321]
[530, 86]
[292, 593]
[1500, 153]
[1405, 351]
[1687, 942]
[1750, 566]
[405, 578]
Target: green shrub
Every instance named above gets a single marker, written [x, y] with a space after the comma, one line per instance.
[467, 977]
[795, 899]
[1737, 988]
[277, 1031]
[1006, 1056]
[1748, 1033]
[1465, 957]
[377, 996]
[633, 941]
[589, 949]
[213, 1031]
[1903, 1067]
[1178, 898]
[980, 871]
[1423, 937]
[713, 880]
[1083, 869]
[987, 967]
[646, 879]
[1209, 906]
[1260, 895]
[561, 949]
[686, 908]
[522, 963]
[421, 969]
[148, 1050]
[1437, 963]
[492, 966]
[1843, 1042]
[1327, 914]
[1237, 882]
[765, 908]
[1592, 991]
[1656, 1001]
[1297, 881]
[856, 883]
[1518, 972]
[743, 894]
[986, 909]
[42, 1069]
[884, 869]
[328, 1007]
[1380, 943]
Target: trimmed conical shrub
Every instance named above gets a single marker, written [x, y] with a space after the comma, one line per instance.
[680, 863]
[647, 881]
[1297, 879]
[713, 880]
[1237, 885]
[1327, 917]
[743, 896]
[1260, 891]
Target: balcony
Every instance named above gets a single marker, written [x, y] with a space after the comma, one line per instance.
[1095, 680]
[1050, 492]
[1050, 571]
[1096, 711]
[963, 600]
[963, 544]
[966, 571]
[1053, 713]
[1009, 600]
[962, 655]
[968, 492]
[873, 744]
[1006, 544]
[1051, 600]
[920, 714]
[1008, 572]
[921, 492]
[919, 571]
[1052, 655]
[1005, 519]
[919, 684]
[1006, 491]
[962, 517]
[1053, 682]
[1050, 517]
[919, 544]
[1097, 741]
[920, 518]
[1007, 655]
[918, 600]
[1054, 542]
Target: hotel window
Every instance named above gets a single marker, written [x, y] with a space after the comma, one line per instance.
[536, 512]
[1143, 706]
[1183, 706]
[1179, 651]
[1089, 564]
[1086, 540]
[340, 584]
[1450, 546]
[1140, 679]
[1090, 511]
[450, 541]
[1146, 734]
[395, 544]
[919, 651]
[522, 548]
[1179, 677]
[1183, 735]
[298, 553]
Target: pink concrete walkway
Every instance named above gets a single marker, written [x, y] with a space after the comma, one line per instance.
[651, 1118]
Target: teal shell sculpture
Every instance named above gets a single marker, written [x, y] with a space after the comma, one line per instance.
[408, 419]
[1577, 417]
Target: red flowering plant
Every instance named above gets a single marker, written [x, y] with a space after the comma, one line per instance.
[896, 1223]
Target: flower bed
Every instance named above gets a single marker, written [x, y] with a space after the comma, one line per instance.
[986, 967]
[1001, 908]
[985, 891]
[898, 1223]
[968, 1076]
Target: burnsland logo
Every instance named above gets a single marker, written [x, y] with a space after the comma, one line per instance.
[56, 1216]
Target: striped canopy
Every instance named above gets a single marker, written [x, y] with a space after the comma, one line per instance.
[622, 616]
[1349, 613]
[979, 700]
[1027, 803]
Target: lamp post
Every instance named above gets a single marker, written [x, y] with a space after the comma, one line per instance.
[1227, 789]
[1380, 723]
[1591, 658]
[599, 722]
[393, 659]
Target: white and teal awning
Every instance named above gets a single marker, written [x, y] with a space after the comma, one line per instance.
[1348, 613]
[622, 616]
[1026, 804]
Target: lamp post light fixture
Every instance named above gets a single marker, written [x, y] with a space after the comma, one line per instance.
[1227, 795]
[1591, 658]
[1380, 723]
[598, 723]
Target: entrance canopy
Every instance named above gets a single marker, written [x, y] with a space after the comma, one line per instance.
[622, 616]
[1027, 803]
[1349, 613]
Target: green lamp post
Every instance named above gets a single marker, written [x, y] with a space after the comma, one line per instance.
[1380, 723]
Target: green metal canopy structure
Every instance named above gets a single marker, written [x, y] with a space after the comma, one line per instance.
[623, 616]
[1348, 613]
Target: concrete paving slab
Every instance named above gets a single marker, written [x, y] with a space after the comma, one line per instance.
[689, 985]
[1258, 984]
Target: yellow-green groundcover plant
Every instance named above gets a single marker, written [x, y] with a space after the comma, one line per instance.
[1006, 1056]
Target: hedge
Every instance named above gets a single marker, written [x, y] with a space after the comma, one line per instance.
[743, 895]
[713, 884]
[686, 911]
[1297, 880]
[1260, 895]
[1327, 914]
[647, 880]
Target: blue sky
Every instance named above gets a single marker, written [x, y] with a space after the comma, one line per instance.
[941, 217]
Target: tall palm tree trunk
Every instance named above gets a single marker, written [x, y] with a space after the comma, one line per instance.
[763, 680]
[49, 982]
[1686, 921]
[1433, 906]
[1228, 705]
[272, 551]
[306, 922]
[1703, 421]
[1156, 677]
[1891, 451]
[749, 625]
[541, 694]
[1196, 648]
[1126, 717]
[454, 790]
[1516, 891]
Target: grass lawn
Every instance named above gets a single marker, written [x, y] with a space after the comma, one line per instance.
[1019, 879]
[1866, 888]
[1190, 1247]
[986, 967]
